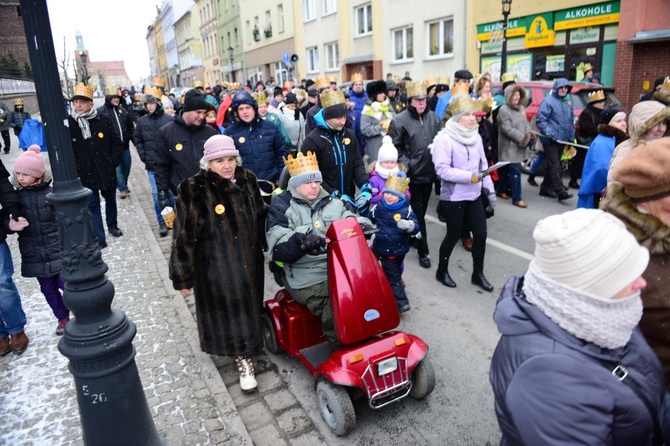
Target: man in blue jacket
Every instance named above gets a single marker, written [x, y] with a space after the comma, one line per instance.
[555, 121]
[359, 97]
[260, 143]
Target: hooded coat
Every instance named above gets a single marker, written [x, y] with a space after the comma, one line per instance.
[146, 133]
[651, 233]
[17, 118]
[359, 100]
[122, 120]
[555, 116]
[588, 124]
[513, 128]
[179, 147]
[642, 118]
[216, 250]
[373, 114]
[551, 388]
[4, 116]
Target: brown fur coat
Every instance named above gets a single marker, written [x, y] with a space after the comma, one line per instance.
[216, 250]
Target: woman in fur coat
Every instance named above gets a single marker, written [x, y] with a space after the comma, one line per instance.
[217, 254]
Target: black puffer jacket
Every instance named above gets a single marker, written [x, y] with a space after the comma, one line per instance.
[9, 199]
[588, 125]
[146, 133]
[122, 119]
[98, 156]
[39, 242]
[179, 148]
[411, 135]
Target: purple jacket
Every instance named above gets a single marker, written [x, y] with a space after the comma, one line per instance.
[377, 183]
[455, 163]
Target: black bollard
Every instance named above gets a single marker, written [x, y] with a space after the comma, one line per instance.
[98, 341]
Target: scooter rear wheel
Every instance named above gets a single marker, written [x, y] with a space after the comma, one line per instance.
[423, 380]
[269, 335]
[336, 407]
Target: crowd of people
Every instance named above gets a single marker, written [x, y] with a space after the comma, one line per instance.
[377, 153]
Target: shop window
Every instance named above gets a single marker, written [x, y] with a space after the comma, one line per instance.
[403, 44]
[440, 38]
[363, 16]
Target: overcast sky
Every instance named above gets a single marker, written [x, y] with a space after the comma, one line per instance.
[112, 30]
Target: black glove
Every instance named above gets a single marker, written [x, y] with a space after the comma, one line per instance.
[163, 200]
[14, 211]
[312, 242]
[367, 227]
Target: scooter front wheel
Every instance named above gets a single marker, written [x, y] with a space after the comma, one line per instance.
[336, 407]
[423, 380]
[269, 335]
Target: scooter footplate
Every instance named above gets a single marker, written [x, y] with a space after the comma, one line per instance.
[317, 354]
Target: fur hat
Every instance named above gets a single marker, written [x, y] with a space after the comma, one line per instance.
[374, 88]
[590, 250]
[645, 173]
[463, 74]
[387, 151]
[194, 100]
[219, 146]
[31, 162]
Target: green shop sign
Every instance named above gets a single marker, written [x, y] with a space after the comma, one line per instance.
[488, 31]
[591, 15]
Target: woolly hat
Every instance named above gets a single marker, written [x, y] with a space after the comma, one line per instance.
[219, 146]
[608, 114]
[291, 98]
[194, 100]
[645, 173]
[387, 151]
[590, 250]
[31, 162]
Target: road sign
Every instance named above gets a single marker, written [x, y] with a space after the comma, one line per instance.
[286, 58]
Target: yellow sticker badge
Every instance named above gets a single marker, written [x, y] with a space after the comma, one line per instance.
[219, 209]
[317, 224]
[120, 111]
[347, 141]
[101, 135]
[397, 217]
[178, 146]
[242, 139]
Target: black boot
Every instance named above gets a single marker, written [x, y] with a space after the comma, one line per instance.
[479, 279]
[531, 180]
[442, 276]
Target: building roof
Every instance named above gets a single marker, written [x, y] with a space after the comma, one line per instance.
[110, 67]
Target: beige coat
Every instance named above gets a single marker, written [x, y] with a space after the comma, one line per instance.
[513, 128]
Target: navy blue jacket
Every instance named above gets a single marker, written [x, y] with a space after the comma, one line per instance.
[262, 147]
[551, 388]
[554, 117]
[146, 133]
[391, 241]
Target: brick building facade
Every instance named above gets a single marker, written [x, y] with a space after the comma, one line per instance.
[643, 49]
[12, 34]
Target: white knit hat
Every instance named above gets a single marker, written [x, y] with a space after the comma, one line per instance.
[589, 250]
[387, 151]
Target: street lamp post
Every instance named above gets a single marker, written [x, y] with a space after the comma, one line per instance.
[98, 341]
[507, 8]
[232, 61]
[84, 69]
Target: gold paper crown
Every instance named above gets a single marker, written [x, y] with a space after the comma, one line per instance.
[83, 90]
[138, 97]
[415, 89]
[460, 88]
[396, 79]
[596, 96]
[165, 100]
[224, 84]
[484, 104]
[357, 77]
[260, 98]
[146, 89]
[233, 86]
[111, 90]
[321, 82]
[587, 67]
[198, 84]
[332, 79]
[330, 98]
[302, 164]
[507, 77]
[288, 84]
[18, 101]
[301, 95]
[463, 103]
[398, 184]
[156, 91]
[158, 82]
[433, 80]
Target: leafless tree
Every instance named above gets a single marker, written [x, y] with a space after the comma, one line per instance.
[64, 64]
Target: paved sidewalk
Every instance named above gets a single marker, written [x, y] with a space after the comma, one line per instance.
[187, 397]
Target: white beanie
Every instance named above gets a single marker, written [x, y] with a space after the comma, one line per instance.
[387, 151]
[589, 250]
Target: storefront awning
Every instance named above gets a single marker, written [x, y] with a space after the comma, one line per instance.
[650, 36]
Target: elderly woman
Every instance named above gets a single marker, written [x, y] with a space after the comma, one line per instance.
[375, 118]
[571, 366]
[460, 163]
[514, 137]
[217, 254]
[611, 132]
[640, 197]
[647, 121]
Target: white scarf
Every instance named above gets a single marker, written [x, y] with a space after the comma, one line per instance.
[82, 120]
[460, 133]
[607, 323]
[383, 172]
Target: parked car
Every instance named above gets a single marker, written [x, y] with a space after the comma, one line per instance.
[536, 91]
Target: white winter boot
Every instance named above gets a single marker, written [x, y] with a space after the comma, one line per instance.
[245, 367]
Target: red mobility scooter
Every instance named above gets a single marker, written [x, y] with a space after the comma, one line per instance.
[381, 365]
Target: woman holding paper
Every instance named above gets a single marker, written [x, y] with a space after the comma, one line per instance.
[460, 163]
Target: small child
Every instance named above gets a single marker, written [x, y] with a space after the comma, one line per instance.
[396, 222]
[38, 233]
[387, 164]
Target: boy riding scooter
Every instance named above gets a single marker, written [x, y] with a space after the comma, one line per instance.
[298, 220]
